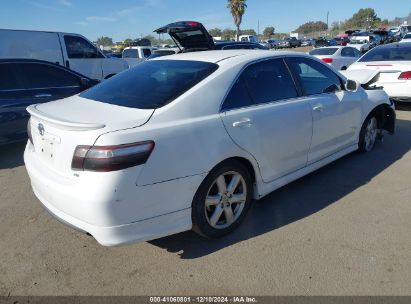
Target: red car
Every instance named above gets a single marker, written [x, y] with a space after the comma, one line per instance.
[342, 40]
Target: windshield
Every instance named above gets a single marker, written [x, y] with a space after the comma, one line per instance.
[408, 36]
[324, 51]
[388, 54]
[130, 53]
[151, 84]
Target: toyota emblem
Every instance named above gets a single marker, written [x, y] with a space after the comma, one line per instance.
[40, 127]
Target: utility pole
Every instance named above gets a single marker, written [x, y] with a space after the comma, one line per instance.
[328, 14]
[258, 31]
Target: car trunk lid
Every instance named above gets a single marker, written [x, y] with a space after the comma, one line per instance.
[58, 127]
[190, 35]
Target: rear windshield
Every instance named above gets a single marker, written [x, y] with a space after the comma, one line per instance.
[388, 54]
[324, 51]
[408, 36]
[358, 41]
[360, 34]
[151, 84]
[164, 52]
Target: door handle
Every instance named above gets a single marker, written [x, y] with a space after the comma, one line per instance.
[246, 122]
[318, 108]
[42, 95]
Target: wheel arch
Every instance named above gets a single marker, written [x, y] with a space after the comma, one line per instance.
[385, 117]
[252, 168]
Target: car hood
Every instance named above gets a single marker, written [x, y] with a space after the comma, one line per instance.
[191, 35]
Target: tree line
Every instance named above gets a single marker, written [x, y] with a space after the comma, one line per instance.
[363, 19]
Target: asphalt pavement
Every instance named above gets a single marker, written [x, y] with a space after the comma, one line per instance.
[343, 230]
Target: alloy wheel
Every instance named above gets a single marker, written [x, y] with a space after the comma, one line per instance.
[225, 200]
[371, 133]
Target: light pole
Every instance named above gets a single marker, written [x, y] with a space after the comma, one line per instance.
[369, 21]
[328, 14]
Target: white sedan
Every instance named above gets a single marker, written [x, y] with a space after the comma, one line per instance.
[393, 61]
[406, 38]
[362, 44]
[188, 141]
[340, 57]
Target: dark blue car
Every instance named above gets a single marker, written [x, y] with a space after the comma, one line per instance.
[24, 82]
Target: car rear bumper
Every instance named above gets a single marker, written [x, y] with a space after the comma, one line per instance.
[400, 91]
[113, 209]
[139, 231]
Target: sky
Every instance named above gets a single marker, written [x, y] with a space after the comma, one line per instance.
[121, 19]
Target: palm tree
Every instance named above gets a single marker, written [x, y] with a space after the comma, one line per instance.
[237, 9]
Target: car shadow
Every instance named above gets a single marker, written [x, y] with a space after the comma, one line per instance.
[301, 198]
[11, 155]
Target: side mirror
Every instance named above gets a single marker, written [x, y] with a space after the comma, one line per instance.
[85, 83]
[352, 86]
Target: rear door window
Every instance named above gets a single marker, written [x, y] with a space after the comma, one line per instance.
[238, 97]
[262, 82]
[314, 77]
[79, 48]
[151, 84]
[8, 78]
[269, 81]
[39, 76]
[348, 52]
[357, 53]
[146, 53]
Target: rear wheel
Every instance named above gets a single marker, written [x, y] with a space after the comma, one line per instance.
[368, 134]
[222, 200]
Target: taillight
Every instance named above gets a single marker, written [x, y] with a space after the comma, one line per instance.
[29, 131]
[111, 158]
[327, 60]
[405, 75]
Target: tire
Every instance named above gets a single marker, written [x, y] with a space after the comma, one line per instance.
[210, 219]
[368, 134]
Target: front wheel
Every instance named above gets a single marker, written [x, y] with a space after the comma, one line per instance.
[222, 200]
[368, 134]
